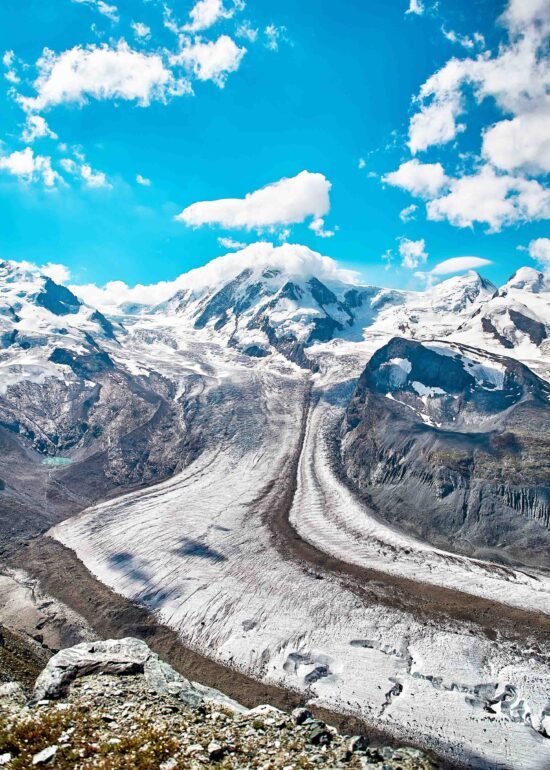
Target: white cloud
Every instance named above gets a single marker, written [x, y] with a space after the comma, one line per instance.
[83, 170]
[408, 213]
[285, 202]
[466, 41]
[413, 253]
[143, 181]
[441, 103]
[29, 167]
[422, 179]
[284, 235]
[459, 265]
[274, 36]
[206, 13]
[318, 227]
[539, 249]
[522, 13]
[489, 198]
[295, 260]
[362, 163]
[415, 7]
[213, 60]
[101, 72]
[57, 272]
[110, 11]
[8, 60]
[230, 244]
[522, 142]
[36, 128]
[517, 78]
[247, 32]
[141, 30]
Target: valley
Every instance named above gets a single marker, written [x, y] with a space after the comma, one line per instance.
[215, 489]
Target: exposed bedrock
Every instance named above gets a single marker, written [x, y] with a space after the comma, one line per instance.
[66, 444]
[453, 446]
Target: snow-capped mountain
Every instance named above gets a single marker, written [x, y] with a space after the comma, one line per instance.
[516, 319]
[288, 298]
[43, 324]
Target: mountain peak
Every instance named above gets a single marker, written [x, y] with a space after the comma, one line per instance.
[527, 279]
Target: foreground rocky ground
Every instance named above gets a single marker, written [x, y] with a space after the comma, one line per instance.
[117, 706]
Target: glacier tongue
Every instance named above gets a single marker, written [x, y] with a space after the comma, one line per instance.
[199, 551]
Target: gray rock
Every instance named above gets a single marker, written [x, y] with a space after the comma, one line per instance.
[45, 755]
[301, 715]
[215, 751]
[122, 657]
[358, 743]
[320, 735]
[12, 693]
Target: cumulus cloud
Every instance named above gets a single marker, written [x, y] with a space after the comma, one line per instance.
[523, 13]
[408, 213]
[29, 167]
[143, 181]
[521, 143]
[422, 179]
[206, 13]
[492, 199]
[413, 253]
[516, 78]
[498, 187]
[36, 128]
[213, 60]
[286, 202]
[297, 261]
[459, 265]
[101, 72]
[57, 272]
[539, 249]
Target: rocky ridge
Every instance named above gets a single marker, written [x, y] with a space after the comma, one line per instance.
[450, 443]
[115, 705]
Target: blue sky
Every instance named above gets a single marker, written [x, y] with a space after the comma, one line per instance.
[328, 88]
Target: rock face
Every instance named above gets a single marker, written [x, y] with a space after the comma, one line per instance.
[452, 445]
[122, 657]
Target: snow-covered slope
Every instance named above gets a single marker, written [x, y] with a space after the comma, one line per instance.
[42, 325]
[516, 321]
[288, 298]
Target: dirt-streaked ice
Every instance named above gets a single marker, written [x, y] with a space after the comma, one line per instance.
[197, 550]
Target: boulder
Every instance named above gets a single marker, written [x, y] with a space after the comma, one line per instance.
[121, 657]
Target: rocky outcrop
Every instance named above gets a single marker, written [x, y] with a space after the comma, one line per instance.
[451, 444]
[122, 657]
[115, 704]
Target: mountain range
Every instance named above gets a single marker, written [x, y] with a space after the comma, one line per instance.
[114, 395]
[301, 477]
